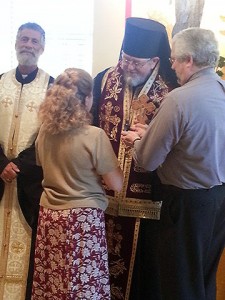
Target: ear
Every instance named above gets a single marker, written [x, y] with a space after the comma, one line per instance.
[86, 100]
[89, 101]
[154, 61]
[42, 50]
[189, 61]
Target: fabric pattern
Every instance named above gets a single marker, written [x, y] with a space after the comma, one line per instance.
[71, 260]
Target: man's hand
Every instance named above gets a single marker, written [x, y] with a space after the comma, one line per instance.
[129, 137]
[140, 128]
[9, 173]
[135, 133]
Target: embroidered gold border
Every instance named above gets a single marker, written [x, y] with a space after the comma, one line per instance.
[133, 255]
[136, 208]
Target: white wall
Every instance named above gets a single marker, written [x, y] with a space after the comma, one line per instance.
[109, 21]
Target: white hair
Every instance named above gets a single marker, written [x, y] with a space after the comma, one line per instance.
[198, 43]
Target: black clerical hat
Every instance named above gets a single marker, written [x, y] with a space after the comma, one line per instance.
[145, 38]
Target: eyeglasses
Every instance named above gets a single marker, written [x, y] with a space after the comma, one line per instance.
[172, 60]
[137, 65]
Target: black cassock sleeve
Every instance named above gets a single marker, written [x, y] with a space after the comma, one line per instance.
[97, 97]
[29, 187]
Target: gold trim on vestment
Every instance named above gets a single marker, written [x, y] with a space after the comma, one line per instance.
[136, 208]
[15, 247]
[134, 247]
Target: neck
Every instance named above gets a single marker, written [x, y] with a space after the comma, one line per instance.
[195, 71]
[24, 70]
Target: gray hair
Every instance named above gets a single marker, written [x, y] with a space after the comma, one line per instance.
[33, 26]
[198, 43]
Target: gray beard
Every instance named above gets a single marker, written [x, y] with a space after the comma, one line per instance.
[26, 60]
[134, 81]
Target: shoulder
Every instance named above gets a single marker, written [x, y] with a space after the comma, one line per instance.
[173, 100]
[12, 71]
[95, 131]
[97, 134]
[101, 74]
[98, 79]
[51, 78]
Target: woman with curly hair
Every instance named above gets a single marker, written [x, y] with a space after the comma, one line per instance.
[78, 162]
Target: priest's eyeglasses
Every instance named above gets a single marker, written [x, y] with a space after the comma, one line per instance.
[136, 64]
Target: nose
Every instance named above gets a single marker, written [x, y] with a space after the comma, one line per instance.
[172, 67]
[130, 65]
[29, 44]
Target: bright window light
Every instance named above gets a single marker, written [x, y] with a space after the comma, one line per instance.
[68, 26]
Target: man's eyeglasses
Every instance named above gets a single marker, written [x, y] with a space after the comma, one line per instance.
[172, 60]
[137, 65]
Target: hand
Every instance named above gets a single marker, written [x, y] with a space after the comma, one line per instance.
[128, 137]
[140, 128]
[9, 173]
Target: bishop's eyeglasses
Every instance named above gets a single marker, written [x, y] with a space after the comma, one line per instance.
[136, 64]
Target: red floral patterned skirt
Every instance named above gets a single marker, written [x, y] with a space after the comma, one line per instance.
[71, 260]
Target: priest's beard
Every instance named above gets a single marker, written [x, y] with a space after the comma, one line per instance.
[134, 80]
[25, 59]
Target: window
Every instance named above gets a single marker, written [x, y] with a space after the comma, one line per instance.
[68, 25]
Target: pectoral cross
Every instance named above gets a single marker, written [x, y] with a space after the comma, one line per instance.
[143, 107]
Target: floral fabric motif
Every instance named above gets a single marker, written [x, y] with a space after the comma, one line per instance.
[71, 260]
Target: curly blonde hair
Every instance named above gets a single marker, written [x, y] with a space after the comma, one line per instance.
[64, 106]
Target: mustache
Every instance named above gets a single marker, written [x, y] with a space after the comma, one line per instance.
[27, 51]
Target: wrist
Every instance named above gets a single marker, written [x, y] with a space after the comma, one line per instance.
[136, 139]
